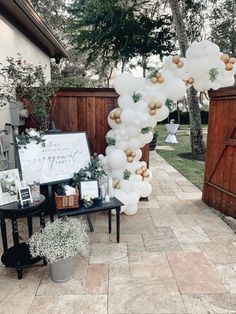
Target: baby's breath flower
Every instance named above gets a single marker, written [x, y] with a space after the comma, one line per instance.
[60, 239]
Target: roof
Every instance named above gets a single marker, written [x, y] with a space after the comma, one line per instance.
[22, 15]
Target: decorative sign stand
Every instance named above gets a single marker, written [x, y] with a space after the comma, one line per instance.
[62, 156]
[25, 196]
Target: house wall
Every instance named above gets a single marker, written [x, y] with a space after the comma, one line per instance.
[13, 42]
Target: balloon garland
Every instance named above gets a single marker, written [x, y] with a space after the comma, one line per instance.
[142, 104]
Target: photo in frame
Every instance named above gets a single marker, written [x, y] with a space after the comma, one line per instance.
[89, 188]
[9, 186]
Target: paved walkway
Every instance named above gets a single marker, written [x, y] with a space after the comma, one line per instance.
[176, 256]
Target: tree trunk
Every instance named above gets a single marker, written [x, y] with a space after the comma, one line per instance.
[197, 143]
[144, 65]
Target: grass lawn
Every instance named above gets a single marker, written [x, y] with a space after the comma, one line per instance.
[180, 158]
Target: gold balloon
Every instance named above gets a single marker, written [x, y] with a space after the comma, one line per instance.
[154, 80]
[224, 57]
[144, 168]
[161, 80]
[133, 154]
[180, 64]
[228, 66]
[117, 113]
[139, 172]
[158, 104]
[152, 105]
[118, 121]
[145, 174]
[128, 152]
[130, 159]
[232, 60]
[152, 112]
[158, 75]
[111, 115]
[190, 80]
[176, 59]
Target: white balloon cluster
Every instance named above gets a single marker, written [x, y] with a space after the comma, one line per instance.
[142, 104]
[204, 67]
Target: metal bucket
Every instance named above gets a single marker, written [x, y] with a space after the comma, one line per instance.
[62, 270]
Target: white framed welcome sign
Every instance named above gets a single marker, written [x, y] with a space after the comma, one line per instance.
[62, 156]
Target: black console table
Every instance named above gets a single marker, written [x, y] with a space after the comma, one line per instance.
[98, 206]
[18, 255]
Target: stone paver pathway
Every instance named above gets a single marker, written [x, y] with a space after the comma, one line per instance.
[176, 256]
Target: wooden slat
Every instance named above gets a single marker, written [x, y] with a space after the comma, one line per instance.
[73, 121]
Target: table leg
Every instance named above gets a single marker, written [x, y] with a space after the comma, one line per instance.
[30, 225]
[50, 197]
[15, 231]
[109, 220]
[118, 224]
[42, 219]
[4, 233]
[90, 222]
[19, 272]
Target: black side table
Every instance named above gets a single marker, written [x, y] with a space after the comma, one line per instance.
[98, 206]
[18, 255]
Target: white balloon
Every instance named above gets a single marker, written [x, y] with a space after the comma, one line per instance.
[162, 114]
[112, 124]
[139, 154]
[135, 178]
[134, 143]
[127, 116]
[131, 209]
[145, 188]
[126, 186]
[133, 131]
[111, 134]
[140, 83]
[125, 101]
[146, 138]
[141, 105]
[132, 166]
[133, 198]
[116, 159]
[121, 196]
[109, 149]
[175, 89]
[118, 173]
[125, 84]
[122, 145]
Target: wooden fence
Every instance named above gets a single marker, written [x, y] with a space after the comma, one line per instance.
[220, 171]
[86, 109]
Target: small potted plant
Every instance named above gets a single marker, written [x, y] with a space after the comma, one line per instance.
[58, 243]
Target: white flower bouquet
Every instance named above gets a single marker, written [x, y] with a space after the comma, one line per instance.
[60, 239]
[88, 201]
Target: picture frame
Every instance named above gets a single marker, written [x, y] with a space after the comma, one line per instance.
[9, 186]
[90, 188]
[25, 195]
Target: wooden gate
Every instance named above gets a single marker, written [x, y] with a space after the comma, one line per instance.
[86, 109]
[220, 171]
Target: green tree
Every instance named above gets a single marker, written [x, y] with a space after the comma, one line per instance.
[223, 25]
[116, 31]
[54, 13]
[196, 134]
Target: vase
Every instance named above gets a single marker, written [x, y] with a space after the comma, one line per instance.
[62, 270]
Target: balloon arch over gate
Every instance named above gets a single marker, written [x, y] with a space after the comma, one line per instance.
[142, 105]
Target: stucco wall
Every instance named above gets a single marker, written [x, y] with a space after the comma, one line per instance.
[13, 42]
